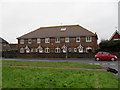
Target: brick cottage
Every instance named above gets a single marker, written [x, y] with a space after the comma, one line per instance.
[58, 39]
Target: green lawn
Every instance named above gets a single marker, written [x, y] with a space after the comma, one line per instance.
[52, 64]
[24, 77]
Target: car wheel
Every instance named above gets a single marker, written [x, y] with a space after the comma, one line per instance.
[97, 59]
[113, 59]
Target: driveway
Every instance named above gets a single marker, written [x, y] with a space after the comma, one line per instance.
[112, 64]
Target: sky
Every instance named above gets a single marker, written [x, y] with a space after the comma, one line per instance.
[19, 17]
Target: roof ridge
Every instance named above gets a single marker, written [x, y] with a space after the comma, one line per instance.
[59, 26]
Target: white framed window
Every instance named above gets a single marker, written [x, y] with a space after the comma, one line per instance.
[27, 49]
[38, 40]
[77, 39]
[64, 49]
[40, 49]
[88, 49]
[47, 40]
[57, 50]
[29, 41]
[88, 39]
[22, 50]
[47, 50]
[21, 41]
[75, 49]
[57, 40]
[67, 39]
[32, 50]
[70, 49]
[80, 48]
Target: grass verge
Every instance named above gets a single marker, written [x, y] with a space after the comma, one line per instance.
[20, 77]
[52, 64]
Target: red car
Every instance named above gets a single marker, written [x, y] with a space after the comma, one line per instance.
[105, 56]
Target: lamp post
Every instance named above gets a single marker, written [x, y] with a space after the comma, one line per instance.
[66, 48]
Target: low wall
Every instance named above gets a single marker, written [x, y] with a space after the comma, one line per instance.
[49, 55]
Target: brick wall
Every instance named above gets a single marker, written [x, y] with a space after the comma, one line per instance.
[53, 45]
[49, 55]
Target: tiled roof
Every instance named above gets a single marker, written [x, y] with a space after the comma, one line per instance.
[58, 31]
[3, 41]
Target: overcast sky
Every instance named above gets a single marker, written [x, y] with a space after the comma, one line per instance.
[22, 16]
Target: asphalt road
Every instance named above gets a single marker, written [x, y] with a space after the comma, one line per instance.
[112, 64]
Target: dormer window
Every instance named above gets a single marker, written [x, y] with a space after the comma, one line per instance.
[63, 29]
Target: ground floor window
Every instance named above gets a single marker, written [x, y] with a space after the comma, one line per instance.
[40, 50]
[47, 50]
[32, 50]
[57, 50]
[64, 50]
[88, 50]
[80, 50]
[75, 49]
[28, 50]
[22, 50]
[70, 49]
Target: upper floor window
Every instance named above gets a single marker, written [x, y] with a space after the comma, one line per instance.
[47, 40]
[57, 40]
[47, 50]
[57, 50]
[77, 39]
[38, 40]
[67, 39]
[29, 41]
[22, 41]
[88, 39]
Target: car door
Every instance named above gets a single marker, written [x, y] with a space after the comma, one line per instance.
[105, 56]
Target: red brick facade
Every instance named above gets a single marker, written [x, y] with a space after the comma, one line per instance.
[86, 44]
[52, 45]
[116, 36]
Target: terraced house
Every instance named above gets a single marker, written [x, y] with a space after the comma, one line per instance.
[58, 39]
